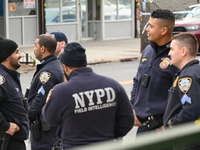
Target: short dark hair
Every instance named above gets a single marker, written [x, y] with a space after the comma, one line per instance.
[188, 40]
[48, 41]
[163, 14]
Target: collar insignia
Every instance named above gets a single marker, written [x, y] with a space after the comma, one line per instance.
[184, 84]
[44, 77]
[165, 63]
[175, 81]
[144, 59]
[2, 80]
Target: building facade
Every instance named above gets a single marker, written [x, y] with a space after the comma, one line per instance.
[23, 20]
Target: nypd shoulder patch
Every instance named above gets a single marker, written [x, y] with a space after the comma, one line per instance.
[164, 64]
[44, 77]
[2, 79]
[184, 84]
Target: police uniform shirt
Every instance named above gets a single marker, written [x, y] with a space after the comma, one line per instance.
[151, 100]
[11, 103]
[88, 108]
[48, 74]
[183, 102]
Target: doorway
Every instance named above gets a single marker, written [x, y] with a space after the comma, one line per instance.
[89, 16]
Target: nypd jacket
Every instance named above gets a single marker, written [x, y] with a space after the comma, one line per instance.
[183, 102]
[11, 103]
[48, 74]
[152, 81]
[88, 108]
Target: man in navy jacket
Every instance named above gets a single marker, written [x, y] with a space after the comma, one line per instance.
[89, 107]
[13, 114]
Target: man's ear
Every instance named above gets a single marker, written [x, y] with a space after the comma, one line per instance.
[164, 30]
[42, 49]
[184, 51]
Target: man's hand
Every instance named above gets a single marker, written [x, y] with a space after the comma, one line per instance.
[12, 129]
[136, 120]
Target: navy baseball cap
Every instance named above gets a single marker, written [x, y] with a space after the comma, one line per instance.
[60, 36]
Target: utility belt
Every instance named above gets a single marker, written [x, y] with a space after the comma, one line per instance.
[38, 125]
[152, 122]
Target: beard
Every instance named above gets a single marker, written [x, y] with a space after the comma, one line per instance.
[15, 63]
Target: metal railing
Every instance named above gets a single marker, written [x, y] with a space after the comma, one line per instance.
[176, 138]
[26, 59]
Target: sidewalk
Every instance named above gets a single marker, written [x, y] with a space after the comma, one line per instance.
[103, 51]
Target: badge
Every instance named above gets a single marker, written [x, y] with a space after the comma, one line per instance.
[184, 84]
[44, 77]
[165, 63]
[2, 80]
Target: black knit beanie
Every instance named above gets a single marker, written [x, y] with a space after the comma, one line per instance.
[7, 47]
[74, 55]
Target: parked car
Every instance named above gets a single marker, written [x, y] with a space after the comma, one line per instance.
[188, 21]
[53, 15]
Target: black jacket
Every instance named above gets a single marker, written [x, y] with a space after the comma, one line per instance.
[152, 100]
[183, 102]
[11, 103]
[89, 108]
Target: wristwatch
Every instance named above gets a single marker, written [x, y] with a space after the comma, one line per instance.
[170, 123]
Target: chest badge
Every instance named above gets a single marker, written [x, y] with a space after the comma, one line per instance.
[165, 63]
[44, 77]
[184, 84]
[2, 80]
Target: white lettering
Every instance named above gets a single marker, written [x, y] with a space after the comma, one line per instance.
[110, 94]
[89, 95]
[100, 93]
[79, 100]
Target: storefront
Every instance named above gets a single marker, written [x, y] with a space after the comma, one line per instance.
[23, 20]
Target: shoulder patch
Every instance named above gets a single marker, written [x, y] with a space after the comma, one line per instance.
[184, 84]
[2, 80]
[165, 63]
[44, 77]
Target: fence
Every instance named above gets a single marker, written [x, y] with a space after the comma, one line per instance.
[26, 59]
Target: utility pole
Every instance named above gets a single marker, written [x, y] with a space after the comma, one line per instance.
[41, 17]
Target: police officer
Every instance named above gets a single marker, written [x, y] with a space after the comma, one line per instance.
[89, 107]
[183, 102]
[61, 42]
[48, 74]
[155, 74]
[13, 115]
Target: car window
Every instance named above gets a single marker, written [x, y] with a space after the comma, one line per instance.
[192, 12]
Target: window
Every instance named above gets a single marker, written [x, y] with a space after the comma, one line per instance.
[110, 7]
[117, 9]
[55, 14]
[21, 7]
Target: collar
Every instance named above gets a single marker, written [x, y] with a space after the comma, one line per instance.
[160, 49]
[48, 58]
[81, 71]
[13, 73]
[190, 64]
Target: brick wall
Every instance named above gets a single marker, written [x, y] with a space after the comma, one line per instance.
[175, 5]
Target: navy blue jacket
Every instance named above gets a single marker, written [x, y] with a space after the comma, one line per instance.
[88, 108]
[11, 103]
[183, 102]
[48, 74]
[152, 100]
